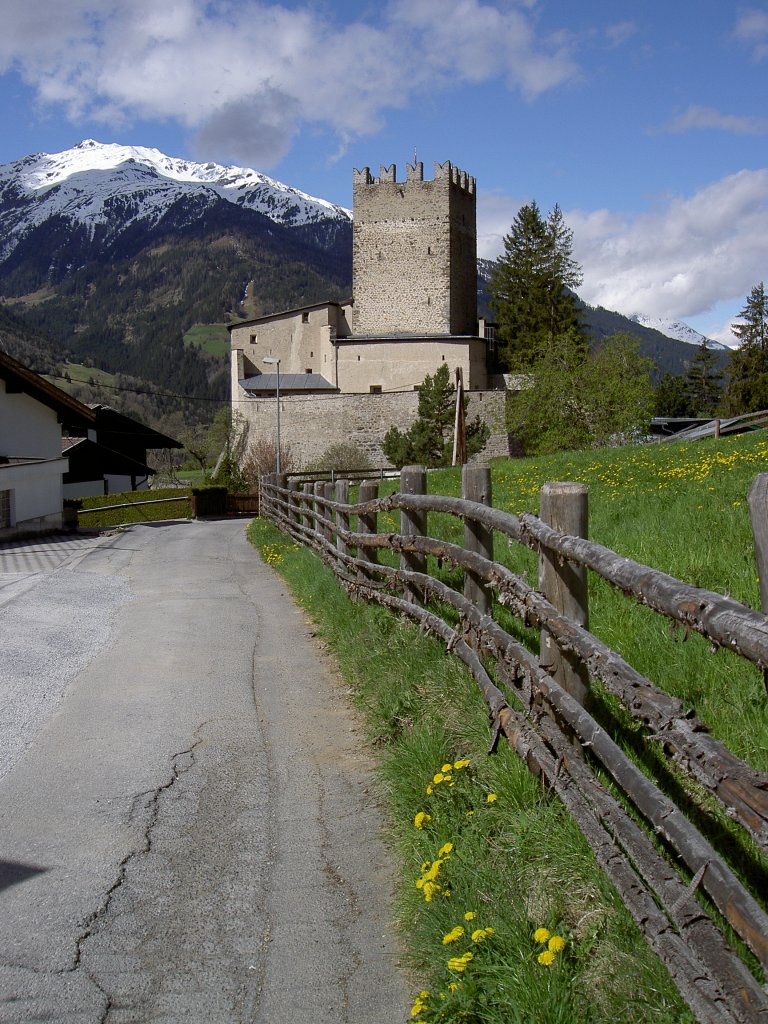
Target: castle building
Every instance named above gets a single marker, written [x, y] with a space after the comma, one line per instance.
[414, 277]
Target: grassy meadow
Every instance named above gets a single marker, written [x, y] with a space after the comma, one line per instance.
[505, 916]
[213, 339]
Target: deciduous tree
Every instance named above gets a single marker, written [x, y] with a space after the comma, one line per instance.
[568, 401]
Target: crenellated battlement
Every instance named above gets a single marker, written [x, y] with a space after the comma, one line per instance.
[414, 251]
[415, 173]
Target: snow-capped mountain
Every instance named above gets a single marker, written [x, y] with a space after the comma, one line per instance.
[679, 330]
[107, 188]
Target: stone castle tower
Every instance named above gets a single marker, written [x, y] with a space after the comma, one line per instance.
[414, 255]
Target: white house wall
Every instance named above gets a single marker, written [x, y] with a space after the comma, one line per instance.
[28, 429]
[37, 493]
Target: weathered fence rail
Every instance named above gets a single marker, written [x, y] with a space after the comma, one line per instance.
[659, 870]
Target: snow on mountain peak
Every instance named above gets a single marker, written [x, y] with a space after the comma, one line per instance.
[678, 330]
[105, 170]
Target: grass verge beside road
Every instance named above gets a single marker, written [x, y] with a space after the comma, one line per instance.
[495, 859]
[180, 509]
[489, 862]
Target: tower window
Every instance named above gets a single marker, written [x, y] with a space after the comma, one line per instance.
[305, 318]
[375, 389]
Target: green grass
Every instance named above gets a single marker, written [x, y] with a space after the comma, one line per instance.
[181, 509]
[519, 863]
[88, 374]
[213, 339]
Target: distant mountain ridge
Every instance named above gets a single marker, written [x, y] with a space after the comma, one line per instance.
[679, 330]
[112, 186]
[109, 254]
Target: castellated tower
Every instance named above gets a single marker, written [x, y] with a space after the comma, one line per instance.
[414, 262]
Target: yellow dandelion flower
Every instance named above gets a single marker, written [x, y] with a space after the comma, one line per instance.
[547, 958]
[446, 767]
[453, 985]
[480, 935]
[444, 849]
[456, 963]
[556, 944]
[421, 819]
[491, 798]
[463, 763]
[429, 789]
[470, 915]
[453, 935]
[438, 778]
[541, 935]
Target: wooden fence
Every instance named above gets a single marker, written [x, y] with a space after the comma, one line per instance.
[677, 886]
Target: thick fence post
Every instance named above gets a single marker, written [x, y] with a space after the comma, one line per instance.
[308, 504]
[278, 513]
[413, 480]
[342, 518]
[327, 493]
[368, 491]
[758, 513]
[476, 486]
[564, 584]
[295, 503]
[319, 492]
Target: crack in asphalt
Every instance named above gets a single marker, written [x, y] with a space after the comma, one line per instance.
[146, 803]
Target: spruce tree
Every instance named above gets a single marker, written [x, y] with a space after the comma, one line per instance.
[530, 286]
[747, 389]
[703, 382]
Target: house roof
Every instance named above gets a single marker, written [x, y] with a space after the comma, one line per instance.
[285, 312]
[288, 382]
[89, 459]
[71, 413]
[113, 426]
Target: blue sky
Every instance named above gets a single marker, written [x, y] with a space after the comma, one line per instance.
[646, 121]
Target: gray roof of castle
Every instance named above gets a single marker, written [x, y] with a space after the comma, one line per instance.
[288, 382]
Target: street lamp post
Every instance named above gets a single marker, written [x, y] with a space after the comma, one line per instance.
[271, 361]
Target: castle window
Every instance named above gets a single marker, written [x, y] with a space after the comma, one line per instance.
[375, 389]
[253, 339]
[429, 250]
[311, 355]
[309, 370]
[305, 318]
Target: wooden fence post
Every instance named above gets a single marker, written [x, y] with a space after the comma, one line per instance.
[758, 513]
[564, 508]
[279, 480]
[368, 491]
[327, 493]
[307, 519]
[476, 486]
[319, 492]
[295, 503]
[342, 518]
[413, 480]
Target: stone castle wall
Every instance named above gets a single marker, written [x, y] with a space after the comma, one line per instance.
[309, 425]
[414, 248]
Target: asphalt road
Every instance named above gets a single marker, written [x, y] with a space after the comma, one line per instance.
[187, 831]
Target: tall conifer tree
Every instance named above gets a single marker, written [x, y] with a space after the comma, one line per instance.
[747, 389]
[530, 285]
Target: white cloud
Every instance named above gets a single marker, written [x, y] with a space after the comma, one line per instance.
[752, 29]
[620, 33]
[708, 117]
[208, 65]
[679, 259]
